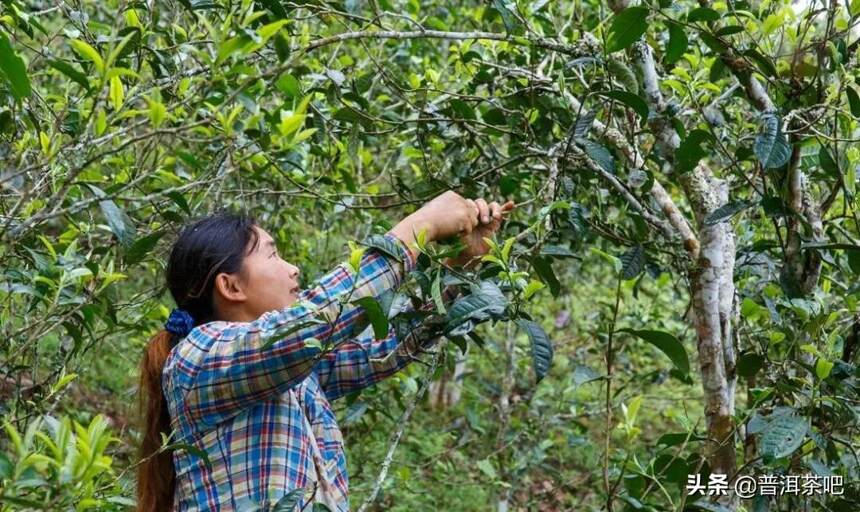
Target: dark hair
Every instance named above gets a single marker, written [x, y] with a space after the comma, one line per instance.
[204, 248]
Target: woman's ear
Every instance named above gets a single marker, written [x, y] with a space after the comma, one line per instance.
[229, 287]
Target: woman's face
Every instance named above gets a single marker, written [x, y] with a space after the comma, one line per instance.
[266, 282]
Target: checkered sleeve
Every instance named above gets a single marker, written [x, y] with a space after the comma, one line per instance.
[276, 351]
[364, 360]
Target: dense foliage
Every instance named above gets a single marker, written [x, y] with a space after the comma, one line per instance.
[673, 296]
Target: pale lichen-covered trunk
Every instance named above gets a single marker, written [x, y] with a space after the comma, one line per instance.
[706, 283]
[712, 293]
[712, 288]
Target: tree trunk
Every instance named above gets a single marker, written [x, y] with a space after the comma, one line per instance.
[713, 315]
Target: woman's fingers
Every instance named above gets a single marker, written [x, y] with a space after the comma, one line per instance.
[495, 210]
[505, 208]
[473, 206]
[472, 221]
[483, 210]
[486, 214]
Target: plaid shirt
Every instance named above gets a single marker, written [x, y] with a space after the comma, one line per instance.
[261, 413]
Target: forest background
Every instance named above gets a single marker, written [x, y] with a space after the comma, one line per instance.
[675, 294]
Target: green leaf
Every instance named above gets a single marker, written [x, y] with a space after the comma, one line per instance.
[386, 246]
[506, 249]
[544, 270]
[713, 42]
[749, 364]
[532, 288]
[729, 30]
[577, 219]
[764, 64]
[633, 262]
[157, 112]
[702, 14]
[676, 438]
[717, 71]
[631, 100]
[6, 122]
[88, 52]
[276, 8]
[853, 100]
[436, 291]
[828, 164]
[282, 46]
[12, 67]
[726, 211]
[6, 467]
[191, 449]
[495, 116]
[115, 54]
[117, 93]
[231, 46]
[583, 123]
[378, 318]
[289, 85]
[141, 247]
[117, 220]
[854, 260]
[542, 350]
[267, 31]
[487, 468]
[771, 146]
[599, 154]
[691, 150]
[823, 368]
[584, 374]
[677, 45]
[23, 503]
[783, 435]
[200, 5]
[667, 343]
[482, 304]
[626, 28]
[66, 379]
[557, 251]
[508, 18]
[71, 72]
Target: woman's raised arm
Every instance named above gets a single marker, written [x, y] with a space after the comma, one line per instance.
[225, 367]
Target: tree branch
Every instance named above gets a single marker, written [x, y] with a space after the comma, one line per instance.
[546, 44]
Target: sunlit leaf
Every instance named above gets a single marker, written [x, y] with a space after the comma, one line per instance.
[626, 28]
[12, 68]
[667, 343]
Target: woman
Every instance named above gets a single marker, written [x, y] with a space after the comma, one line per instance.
[237, 378]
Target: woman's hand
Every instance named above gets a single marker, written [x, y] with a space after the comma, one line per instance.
[450, 214]
[445, 215]
[490, 220]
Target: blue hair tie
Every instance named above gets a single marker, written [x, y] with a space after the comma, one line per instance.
[179, 323]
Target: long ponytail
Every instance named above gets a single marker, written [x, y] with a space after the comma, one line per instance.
[156, 477]
[213, 244]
